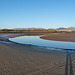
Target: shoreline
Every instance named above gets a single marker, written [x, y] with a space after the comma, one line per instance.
[7, 36]
[19, 59]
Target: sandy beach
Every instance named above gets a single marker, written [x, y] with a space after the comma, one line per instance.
[70, 37]
[18, 59]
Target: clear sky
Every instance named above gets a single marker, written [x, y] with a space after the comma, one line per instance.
[37, 13]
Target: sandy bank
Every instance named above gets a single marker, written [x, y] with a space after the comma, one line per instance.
[70, 37]
[18, 59]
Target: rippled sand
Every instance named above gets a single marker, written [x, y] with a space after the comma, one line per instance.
[16, 59]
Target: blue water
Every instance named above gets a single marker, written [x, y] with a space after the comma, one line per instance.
[35, 40]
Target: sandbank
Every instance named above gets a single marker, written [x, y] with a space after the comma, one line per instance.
[69, 37]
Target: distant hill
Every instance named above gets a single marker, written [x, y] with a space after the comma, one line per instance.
[38, 28]
[71, 28]
[61, 28]
[66, 28]
[29, 29]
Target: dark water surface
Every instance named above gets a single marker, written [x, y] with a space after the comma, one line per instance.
[35, 40]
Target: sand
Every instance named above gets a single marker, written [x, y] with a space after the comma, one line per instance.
[70, 37]
[18, 59]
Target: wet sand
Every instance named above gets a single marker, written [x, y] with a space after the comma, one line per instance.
[18, 59]
[70, 37]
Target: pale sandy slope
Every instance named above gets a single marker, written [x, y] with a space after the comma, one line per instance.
[18, 59]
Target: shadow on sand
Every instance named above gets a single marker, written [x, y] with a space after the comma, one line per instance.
[68, 63]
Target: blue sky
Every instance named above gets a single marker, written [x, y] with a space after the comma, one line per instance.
[37, 13]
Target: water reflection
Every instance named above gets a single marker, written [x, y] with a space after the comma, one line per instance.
[35, 40]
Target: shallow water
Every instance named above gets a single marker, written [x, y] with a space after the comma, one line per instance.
[35, 40]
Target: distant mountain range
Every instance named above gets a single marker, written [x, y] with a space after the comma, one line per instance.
[39, 28]
[29, 29]
[26, 29]
[71, 28]
[66, 28]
